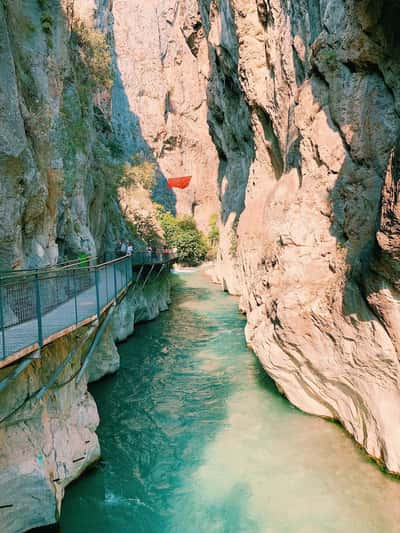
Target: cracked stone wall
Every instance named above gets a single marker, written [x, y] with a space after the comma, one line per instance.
[162, 59]
[57, 140]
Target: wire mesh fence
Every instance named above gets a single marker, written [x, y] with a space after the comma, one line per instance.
[37, 305]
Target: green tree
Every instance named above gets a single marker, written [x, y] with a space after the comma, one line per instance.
[182, 233]
[213, 232]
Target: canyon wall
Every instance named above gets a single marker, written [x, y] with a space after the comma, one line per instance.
[67, 129]
[59, 150]
[48, 439]
[315, 257]
[303, 109]
[162, 62]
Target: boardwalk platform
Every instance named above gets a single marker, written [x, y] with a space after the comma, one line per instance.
[39, 307]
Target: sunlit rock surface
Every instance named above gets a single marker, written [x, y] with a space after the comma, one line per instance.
[319, 85]
[162, 62]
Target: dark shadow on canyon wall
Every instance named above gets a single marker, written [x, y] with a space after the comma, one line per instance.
[129, 133]
[229, 117]
[74, 140]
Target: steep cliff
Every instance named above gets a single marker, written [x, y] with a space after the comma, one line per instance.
[321, 87]
[59, 151]
[303, 109]
[162, 60]
[66, 132]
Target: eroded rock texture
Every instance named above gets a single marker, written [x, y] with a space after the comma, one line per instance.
[315, 260]
[57, 140]
[162, 62]
[303, 109]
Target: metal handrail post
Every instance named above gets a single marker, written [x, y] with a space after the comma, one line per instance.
[96, 279]
[75, 296]
[39, 311]
[106, 273]
[115, 280]
[3, 333]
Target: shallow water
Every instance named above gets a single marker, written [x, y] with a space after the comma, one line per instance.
[195, 438]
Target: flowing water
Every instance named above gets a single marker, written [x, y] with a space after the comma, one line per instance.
[196, 439]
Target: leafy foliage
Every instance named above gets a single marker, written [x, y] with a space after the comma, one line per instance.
[139, 172]
[213, 232]
[182, 233]
[95, 61]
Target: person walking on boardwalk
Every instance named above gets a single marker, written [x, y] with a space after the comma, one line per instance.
[129, 250]
[124, 248]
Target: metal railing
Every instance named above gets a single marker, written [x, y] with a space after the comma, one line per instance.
[36, 306]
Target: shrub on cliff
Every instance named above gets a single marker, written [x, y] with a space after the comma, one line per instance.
[139, 172]
[93, 61]
[182, 233]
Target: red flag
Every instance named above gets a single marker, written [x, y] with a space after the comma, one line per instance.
[180, 183]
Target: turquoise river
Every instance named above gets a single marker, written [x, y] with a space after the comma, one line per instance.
[196, 439]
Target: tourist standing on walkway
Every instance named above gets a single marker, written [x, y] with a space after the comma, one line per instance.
[124, 248]
[129, 250]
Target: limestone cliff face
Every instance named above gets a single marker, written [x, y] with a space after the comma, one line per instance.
[58, 148]
[162, 61]
[303, 102]
[47, 441]
[319, 85]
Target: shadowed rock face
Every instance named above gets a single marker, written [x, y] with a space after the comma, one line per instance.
[57, 138]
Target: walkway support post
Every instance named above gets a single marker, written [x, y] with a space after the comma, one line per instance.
[3, 333]
[159, 272]
[148, 276]
[138, 277]
[96, 279]
[115, 281]
[94, 344]
[38, 311]
[75, 296]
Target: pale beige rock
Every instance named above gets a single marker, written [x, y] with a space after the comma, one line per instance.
[163, 63]
[323, 125]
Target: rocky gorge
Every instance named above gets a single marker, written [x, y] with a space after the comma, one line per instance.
[302, 106]
[61, 166]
